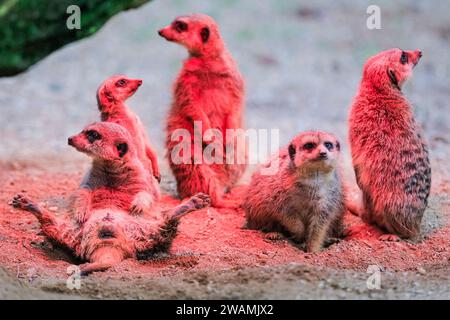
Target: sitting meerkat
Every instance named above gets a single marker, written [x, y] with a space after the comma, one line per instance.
[117, 177]
[208, 90]
[111, 235]
[111, 97]
[304, 198]
[390, 156]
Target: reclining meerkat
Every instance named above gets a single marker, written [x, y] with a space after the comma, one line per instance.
[117, 177]
[210, 90]
[111, 235]
[304, 198]
[111, 97]
[390, 156]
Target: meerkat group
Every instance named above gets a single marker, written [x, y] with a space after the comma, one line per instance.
[116, 214]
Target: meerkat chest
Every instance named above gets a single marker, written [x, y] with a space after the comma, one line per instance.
[312, 195]
[215, 94]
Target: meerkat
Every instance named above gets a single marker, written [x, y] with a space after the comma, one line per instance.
[117, 176]
[390, 156]
[210, 90]
[111, 235]
[304, 198]
[111, 97]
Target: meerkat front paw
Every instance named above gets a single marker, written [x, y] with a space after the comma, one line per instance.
[142, 202]
[389, 237]
[273, 236]
[82, 213]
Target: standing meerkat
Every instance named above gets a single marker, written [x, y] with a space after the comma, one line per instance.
[210, 90]
[304, 198]
[111, 97]
[390, 157]
[111, 235]
[117, 177]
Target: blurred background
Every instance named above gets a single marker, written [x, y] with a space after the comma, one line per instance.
[301, 60]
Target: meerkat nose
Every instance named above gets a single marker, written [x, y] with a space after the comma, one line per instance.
[420, 54]
[160, 32]
[70, 141]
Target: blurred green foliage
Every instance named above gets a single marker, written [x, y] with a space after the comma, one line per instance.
[32, 29]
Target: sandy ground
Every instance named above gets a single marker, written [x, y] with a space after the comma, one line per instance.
[302, 64]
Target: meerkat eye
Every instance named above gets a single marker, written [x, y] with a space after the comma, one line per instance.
[121, 83]
[328, 145]
[93, 135]
[204, 33]
[404, 58]
[180, 26]
[309, 146]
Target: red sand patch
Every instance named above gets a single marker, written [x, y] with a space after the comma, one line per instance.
[208, 239]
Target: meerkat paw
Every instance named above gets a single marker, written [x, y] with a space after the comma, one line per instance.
[389, 237]
[82, 213]
[330, 241]
[21, 202]
[273, 236]
[142, 202]
[200, 200]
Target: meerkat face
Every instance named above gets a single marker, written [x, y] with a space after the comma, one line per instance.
[117, 89]
[391, 67]
[103, 141]
[198, 33]
[314, 150]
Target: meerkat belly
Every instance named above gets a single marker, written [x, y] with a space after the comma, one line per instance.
[111, 198]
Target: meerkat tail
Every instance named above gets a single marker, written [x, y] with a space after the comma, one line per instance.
[95, 267]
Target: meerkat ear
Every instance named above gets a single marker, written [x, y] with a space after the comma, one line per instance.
[204, 33]
[393, 78]
[291, 152]
[338, 145]
[104, 96]
[122, 148]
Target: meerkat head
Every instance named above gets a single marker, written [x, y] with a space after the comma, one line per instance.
[104, 141]
[391, 67]
[116, 89]
[197, 32]
[315, 151]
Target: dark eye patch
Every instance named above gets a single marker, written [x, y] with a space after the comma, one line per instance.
[328, 145]
[122, 148]
[121, 83]
[404, 58]
[180, 26]
[309, 146]
[204, 33]
[93, 135]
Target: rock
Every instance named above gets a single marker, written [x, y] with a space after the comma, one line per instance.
[32, 29]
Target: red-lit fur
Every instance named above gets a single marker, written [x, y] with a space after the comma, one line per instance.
[111, 235]
[390, 157]
[111, 97]
[209, 89]
[114, 180]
